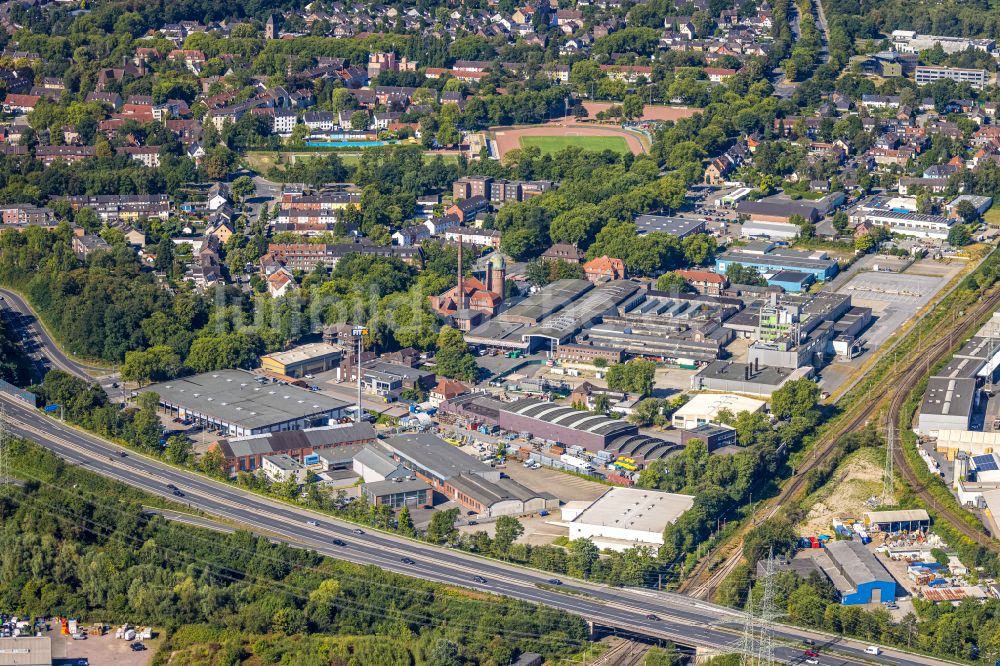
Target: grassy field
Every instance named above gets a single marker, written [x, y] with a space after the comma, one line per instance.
[264, 161]
[992, 216]
[553, 144]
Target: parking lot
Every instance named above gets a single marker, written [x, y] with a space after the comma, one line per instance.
[566, 487]
[100, 651]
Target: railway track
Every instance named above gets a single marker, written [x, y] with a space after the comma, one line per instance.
[708, 574]
[902, 464]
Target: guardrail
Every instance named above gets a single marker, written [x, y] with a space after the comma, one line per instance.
[19, 393]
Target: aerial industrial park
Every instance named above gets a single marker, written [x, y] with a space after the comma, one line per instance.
[464, 333]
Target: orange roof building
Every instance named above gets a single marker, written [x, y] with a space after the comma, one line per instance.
[604, 269]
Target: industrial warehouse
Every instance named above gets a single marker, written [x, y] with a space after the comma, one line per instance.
[239, 403]
[618, 320]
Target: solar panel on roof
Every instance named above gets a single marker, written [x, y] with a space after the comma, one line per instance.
[985, 463]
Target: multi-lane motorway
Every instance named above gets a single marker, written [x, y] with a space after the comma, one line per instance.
[678, 618]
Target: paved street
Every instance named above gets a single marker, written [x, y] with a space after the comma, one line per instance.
[43, 351]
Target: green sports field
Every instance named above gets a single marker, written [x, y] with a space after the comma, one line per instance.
[553, 144]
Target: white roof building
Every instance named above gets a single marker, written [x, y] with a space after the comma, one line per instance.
[705, 407]
[623, 518]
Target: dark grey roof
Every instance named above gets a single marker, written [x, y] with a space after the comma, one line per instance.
[488, 492]
[947, 396]
[235, 397]
[551, 298]
[777, 208]
[677, 226]
[432, 454]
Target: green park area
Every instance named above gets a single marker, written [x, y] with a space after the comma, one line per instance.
[264, 160]
[553, 144]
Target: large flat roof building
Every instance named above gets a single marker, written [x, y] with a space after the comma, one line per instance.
[475, 485]
[561, 326]
[948, 404]
[704, 408]
[26, 651]
[675, 226]
[977, 78]
[303, 360]
[623, 518]
[240, 403]
[743, 378]
[773, 260]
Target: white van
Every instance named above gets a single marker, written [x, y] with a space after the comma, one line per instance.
[872, 649]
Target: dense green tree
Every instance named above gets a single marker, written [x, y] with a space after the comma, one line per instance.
[673, 283]
[453, 357]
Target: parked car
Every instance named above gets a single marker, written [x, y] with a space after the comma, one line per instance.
[79, 636]
[137, 647]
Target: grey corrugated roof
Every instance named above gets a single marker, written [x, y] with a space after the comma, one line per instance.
[389, 487]
[857, 563]
[376, 461]
[489, 493]
[431, 453]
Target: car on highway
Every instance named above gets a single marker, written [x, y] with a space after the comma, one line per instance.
[358, 532]
[406, 560]
[178, 493]
[122, 454]
[810, 653]
[339, 542]
[652, 617]
[812, 660]
[171, 486]
[480, 580]
[554, 581]
[312, 522]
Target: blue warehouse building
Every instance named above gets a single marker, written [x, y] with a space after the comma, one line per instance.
[791, 281]
[865, 579]
[770, 259]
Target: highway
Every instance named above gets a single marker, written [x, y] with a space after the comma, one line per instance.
[681, 619]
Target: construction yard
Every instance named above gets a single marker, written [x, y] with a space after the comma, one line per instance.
[856, 480]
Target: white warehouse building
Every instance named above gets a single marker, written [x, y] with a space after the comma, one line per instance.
[623, 518]
[705, 407]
